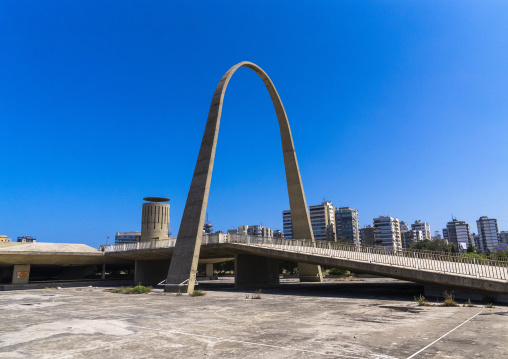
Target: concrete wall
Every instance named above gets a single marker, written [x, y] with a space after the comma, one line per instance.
[256, 272]
[150, 272]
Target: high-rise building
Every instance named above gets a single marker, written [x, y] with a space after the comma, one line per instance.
[474, 239]
[423, 227]
[410, 236]
[127, 237]
[445, 234]
[287, 224]
[488, 232]
[387, 232]
[322, 219]
[367, 237]
[457, 232]
[346, 220]
[503, 237]
[403, 226]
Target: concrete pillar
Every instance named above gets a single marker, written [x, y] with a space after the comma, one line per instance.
[103, 276]
[256, 272]
[309, 272]
[21, 274]
[209, 270]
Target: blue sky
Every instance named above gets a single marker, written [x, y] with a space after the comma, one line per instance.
[397, 108]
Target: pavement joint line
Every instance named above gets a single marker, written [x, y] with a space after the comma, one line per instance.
[441, 337]
[246, 342]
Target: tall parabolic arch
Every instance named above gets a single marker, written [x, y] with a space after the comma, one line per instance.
[185, 257]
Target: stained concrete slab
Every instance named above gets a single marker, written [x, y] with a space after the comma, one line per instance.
[364, 318]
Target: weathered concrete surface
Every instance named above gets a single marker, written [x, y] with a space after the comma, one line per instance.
[375, 319]
[256, 272]
[184, 264]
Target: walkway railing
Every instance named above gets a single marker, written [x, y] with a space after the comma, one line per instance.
[440, 262]
[127, 247]
[420, 260]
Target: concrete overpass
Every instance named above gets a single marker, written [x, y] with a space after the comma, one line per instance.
[256, 263]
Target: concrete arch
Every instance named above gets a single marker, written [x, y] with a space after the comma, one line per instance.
[186, 253]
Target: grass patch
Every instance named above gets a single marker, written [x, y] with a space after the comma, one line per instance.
[139, 289]
[421, 300]
[490, 305]
[448, 300]
[197, 293]
[469, 304]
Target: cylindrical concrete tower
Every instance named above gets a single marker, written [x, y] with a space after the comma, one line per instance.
[154, 219]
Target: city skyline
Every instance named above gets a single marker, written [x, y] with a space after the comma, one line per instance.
[406, 116]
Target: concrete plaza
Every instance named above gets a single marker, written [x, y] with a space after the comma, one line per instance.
[366, 318]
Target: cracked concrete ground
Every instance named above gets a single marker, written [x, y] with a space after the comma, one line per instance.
[372, 318]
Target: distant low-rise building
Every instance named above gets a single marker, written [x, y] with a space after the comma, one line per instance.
[127, 237]
[278, 234]
[4, 239]
[260, 230]
[27, 239]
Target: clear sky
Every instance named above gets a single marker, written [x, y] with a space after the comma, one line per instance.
[397, 108]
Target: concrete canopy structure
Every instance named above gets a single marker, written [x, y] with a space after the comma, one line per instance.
[185, 259]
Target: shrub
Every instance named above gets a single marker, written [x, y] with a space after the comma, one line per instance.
[469, 304]
[197, 293]
[338, 271]
[490, 305]
[487, 299]
[421, 300]
[448, 300]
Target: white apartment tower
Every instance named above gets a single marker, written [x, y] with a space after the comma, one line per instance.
[387, 232]
[423, 227]
[488, 233]
[322, 220]
[347, 225]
